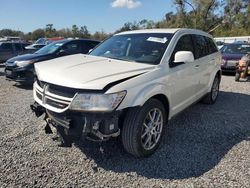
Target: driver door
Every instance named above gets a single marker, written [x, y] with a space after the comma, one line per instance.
[183, 77]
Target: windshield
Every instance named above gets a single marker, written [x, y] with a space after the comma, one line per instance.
[49, 49]
[144, 48]
[236, 49]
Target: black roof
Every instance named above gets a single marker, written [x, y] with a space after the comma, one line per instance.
[69, 40]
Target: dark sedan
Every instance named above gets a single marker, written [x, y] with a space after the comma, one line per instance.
[21, 68]
[231, 54]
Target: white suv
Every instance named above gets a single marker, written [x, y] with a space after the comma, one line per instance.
[130, 85]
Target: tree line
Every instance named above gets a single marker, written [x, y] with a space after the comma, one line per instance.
[218, 17]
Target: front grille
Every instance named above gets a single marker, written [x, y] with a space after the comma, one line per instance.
[56, 104]
[231, 63]
[55, 98]
[39, 96]
[58, 90]
[62, 91]
[40, 83]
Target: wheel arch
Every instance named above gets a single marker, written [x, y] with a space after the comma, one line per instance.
[164, 100]
[217, 73]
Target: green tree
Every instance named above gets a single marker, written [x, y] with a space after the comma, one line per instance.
[75, 31]
[10, 32]
[100, 35]
[202, 14]
[50, 31]
[65, 32]
[84, 32]
[38, 33]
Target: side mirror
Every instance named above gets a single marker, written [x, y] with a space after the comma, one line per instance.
[184, 57]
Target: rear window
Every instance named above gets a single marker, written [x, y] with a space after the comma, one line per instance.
[7, 46]
[211, 46]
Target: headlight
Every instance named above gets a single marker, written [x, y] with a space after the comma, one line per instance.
[223, 61]
[97, 102]
[23, 63]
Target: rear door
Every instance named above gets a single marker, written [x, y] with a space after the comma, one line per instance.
[205, 54]
[183, 77]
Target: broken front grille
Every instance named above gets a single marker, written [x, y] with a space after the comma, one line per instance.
[53, 97]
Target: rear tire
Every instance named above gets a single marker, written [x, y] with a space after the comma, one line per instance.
[212, 96]
[143, 128]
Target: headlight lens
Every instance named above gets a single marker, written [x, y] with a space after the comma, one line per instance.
[23, 63]
[97, 102]
[223, 61]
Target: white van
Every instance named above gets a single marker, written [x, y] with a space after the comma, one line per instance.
[130, 85]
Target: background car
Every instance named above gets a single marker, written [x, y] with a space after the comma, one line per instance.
[34, 47]
[21, 68]
[11, 49]
[220, 44]
[231, 54]
[48, 40]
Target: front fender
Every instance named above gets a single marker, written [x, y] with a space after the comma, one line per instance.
[148, 92]
[138, 97]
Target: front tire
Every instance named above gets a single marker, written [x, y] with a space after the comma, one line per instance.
[143, 128]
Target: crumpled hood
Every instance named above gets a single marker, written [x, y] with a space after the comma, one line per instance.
[87, 72]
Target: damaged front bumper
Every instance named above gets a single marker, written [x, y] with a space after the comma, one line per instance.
[71, 126]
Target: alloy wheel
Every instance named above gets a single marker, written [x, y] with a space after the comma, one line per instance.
[215, 89]
[152, 129]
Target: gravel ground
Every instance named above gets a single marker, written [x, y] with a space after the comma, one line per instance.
[205, 146]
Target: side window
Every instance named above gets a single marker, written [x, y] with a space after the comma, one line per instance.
[211, 46]
[72, 47]
[94, 44]
[201, 47]
[185, 43]
[87, 45]
[7, 47]
[18, 47]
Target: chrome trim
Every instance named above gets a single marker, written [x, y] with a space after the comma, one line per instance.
[44, 92]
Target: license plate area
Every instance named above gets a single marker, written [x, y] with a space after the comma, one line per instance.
[231, 63]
